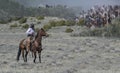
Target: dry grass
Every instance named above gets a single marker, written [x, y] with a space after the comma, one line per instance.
[61, 53]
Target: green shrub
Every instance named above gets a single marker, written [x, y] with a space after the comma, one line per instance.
[16, 18]
[20, 25]
[69, 30]
[38, 22]
[2, 22]
[96, 32]
[70, 23]
[83, 33]
[110, 30]
[9, 20]
[60, 23]
[13, 25]
[52, 23]
[40, 17]
[81, 22]
[31, 18]
[25, 26]
[22, 20]
[57, 23]
[47, 27]
[113, 30]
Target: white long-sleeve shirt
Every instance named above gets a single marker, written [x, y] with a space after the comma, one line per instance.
[30, 31]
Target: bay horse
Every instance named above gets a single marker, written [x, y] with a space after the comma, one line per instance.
[36, 46]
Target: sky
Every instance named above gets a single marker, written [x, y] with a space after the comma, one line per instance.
[73, 3]
[83, 3]
[79, 2]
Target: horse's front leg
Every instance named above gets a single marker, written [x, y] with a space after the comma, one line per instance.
[34, 56]
[39, 53]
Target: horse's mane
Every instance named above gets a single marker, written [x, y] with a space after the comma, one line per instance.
[36, 34]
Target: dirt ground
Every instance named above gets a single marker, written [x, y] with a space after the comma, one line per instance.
[61, 53]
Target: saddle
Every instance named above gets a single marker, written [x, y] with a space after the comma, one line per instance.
[28, 39]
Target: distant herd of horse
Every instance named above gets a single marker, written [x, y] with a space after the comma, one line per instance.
[25, 46]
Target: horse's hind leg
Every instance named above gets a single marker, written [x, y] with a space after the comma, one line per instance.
[19, 53]
[34, 57]
[23, 55]
[32, 54]
[26, 56]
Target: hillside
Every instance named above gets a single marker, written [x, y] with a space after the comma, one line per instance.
[10, 8]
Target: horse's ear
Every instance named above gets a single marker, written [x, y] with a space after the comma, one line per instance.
[42, 29]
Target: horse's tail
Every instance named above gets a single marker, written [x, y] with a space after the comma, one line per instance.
[19, 50]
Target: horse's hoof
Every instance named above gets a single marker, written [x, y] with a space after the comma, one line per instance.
[40, 61]
[25, 61]
[17, 60]
[34, 61]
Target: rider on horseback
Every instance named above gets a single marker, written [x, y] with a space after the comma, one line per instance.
[30, 33]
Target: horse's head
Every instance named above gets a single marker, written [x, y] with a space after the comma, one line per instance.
[42, 32]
